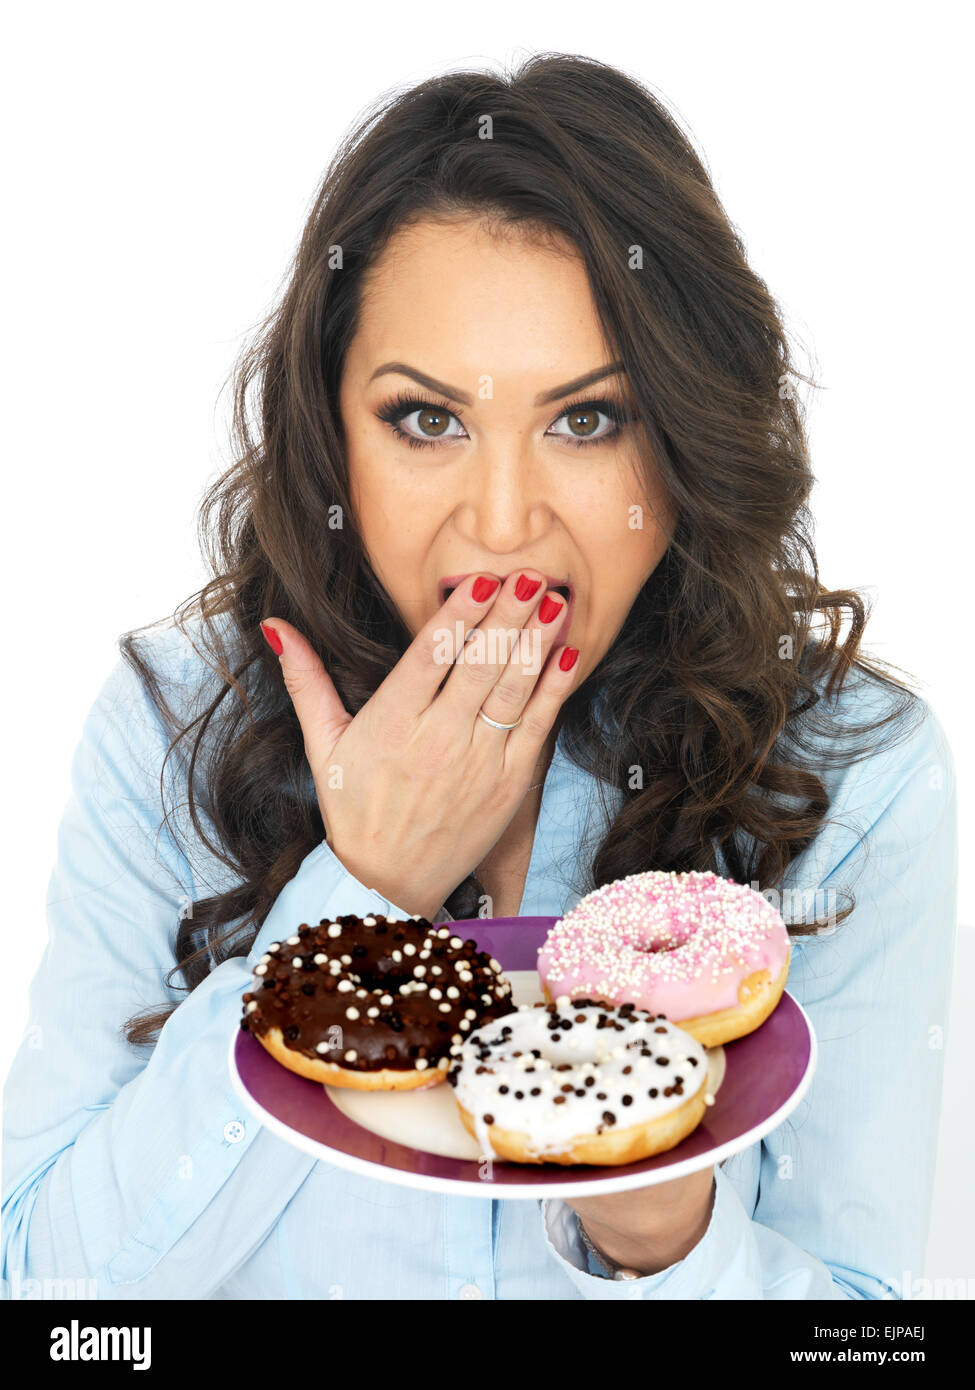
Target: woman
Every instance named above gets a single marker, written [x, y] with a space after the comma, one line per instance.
[522, 383]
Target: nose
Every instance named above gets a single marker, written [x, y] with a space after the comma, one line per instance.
[504, 508]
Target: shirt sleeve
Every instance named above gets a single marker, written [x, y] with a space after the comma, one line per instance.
[142, 1177]
[844, 1186]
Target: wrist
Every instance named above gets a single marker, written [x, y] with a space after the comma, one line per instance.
[647, 1251]
[398, 894]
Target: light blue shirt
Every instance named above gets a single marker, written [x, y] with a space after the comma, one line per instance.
[137, 1173]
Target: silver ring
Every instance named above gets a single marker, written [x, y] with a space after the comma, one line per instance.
[494, 723]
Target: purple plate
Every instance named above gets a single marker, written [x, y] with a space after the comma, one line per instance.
[766, 1075]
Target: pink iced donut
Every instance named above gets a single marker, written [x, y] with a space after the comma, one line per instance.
[708, 954]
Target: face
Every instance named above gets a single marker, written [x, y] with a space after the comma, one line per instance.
[495, 461]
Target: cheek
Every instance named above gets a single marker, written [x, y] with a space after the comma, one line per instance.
[625, 528]
[380, 500]
[393, 521]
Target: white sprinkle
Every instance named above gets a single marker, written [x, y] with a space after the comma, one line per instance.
[470, 1013]
[409, 949]
[260, 969]
[320, 959]
[322, 1047]
[397, 955]
[456, 942]
[421, 1064]
[351, 1055]
[419, 970]
[453, 992]
[344, 986]
[352, 1012]
[296, 962]
[275, 946]
[368, 921]
[252, 1006]
[436, 994]
[385, 999]
[372, 1013]
[265, 958]
[293, 940]
[444, 1008]
[335, 929]
[346, 960]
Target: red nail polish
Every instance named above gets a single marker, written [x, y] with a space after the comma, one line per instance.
[483, 589]
[568, 658]
[273, 640]
[549, 608]
[526, 588]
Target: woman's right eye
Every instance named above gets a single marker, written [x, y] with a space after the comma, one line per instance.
[420, 422]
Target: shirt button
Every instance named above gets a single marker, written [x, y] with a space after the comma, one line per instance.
[470, 1291]
[233, 1131]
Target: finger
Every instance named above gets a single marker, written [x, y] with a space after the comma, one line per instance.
[559, 678]
[412, 685]
[507, 698]
[320, 711]
[486, 657]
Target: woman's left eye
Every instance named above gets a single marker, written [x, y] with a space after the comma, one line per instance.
[584, 426]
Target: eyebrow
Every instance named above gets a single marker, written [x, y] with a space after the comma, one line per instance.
[452, 393]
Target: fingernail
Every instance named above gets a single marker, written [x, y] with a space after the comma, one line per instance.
[549, 608]
[568, 658]
[273, 640]
[483, 589]
[526, 588]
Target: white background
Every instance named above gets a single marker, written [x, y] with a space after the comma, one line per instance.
[159, 165]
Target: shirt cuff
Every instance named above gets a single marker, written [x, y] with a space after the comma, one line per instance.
[697, 1276]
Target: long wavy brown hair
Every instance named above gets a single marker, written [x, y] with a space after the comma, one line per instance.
[720, 686]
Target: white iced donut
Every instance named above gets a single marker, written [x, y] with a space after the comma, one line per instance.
[579, 1082]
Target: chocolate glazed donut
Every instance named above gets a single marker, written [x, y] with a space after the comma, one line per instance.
[372, 1003]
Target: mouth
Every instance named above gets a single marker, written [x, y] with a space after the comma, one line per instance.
[447, 586]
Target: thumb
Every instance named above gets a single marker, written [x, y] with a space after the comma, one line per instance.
[320, 711]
